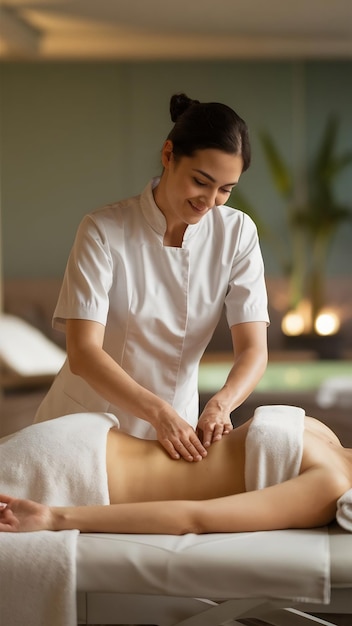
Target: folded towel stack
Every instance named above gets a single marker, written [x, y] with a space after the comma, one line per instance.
[335, 392]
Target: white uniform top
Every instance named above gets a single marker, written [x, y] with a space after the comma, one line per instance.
[160, 305]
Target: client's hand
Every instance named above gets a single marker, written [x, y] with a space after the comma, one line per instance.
[23, 515]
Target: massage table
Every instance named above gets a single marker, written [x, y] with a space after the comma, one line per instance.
[208, 579]
[188, 580]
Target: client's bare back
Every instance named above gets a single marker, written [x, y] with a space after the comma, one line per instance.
[140, 470]
[322, 447]
[208, 496]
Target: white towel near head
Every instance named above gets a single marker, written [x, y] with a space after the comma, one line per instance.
[344, 511]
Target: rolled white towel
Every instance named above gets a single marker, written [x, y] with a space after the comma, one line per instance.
[344, 511]
[274, 445]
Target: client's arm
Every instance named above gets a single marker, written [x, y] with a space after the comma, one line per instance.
[306, 501]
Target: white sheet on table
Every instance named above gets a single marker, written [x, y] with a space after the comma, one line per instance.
[287, 564]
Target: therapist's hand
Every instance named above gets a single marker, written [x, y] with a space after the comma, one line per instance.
[213, 423]
[179, 439]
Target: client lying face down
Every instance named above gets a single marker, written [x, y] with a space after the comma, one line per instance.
[279, 470]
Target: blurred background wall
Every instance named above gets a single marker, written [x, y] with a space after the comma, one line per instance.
[76, 135]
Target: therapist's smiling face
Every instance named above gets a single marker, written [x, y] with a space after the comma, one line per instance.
[192, 186]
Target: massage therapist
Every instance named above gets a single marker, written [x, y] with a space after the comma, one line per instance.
[145, 286]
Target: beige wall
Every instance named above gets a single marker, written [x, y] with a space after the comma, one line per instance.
[75, 136]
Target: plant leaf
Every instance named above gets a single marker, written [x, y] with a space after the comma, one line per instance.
[326, 165]
[239, 200]
[278, 168]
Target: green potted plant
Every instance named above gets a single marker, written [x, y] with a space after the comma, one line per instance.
[312, 220]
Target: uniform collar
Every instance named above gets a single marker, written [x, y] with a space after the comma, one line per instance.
[155, 217]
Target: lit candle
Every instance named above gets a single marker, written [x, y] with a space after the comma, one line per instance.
[293, 323]
[327, 323]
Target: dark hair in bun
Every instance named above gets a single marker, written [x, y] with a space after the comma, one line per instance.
[202, 125]
[179, 103]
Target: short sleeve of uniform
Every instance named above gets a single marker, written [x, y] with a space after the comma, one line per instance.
[85, 289]
[246, 299]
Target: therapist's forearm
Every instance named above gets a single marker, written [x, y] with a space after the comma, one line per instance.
[88, 359]
[111, 381]
[243, 377]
